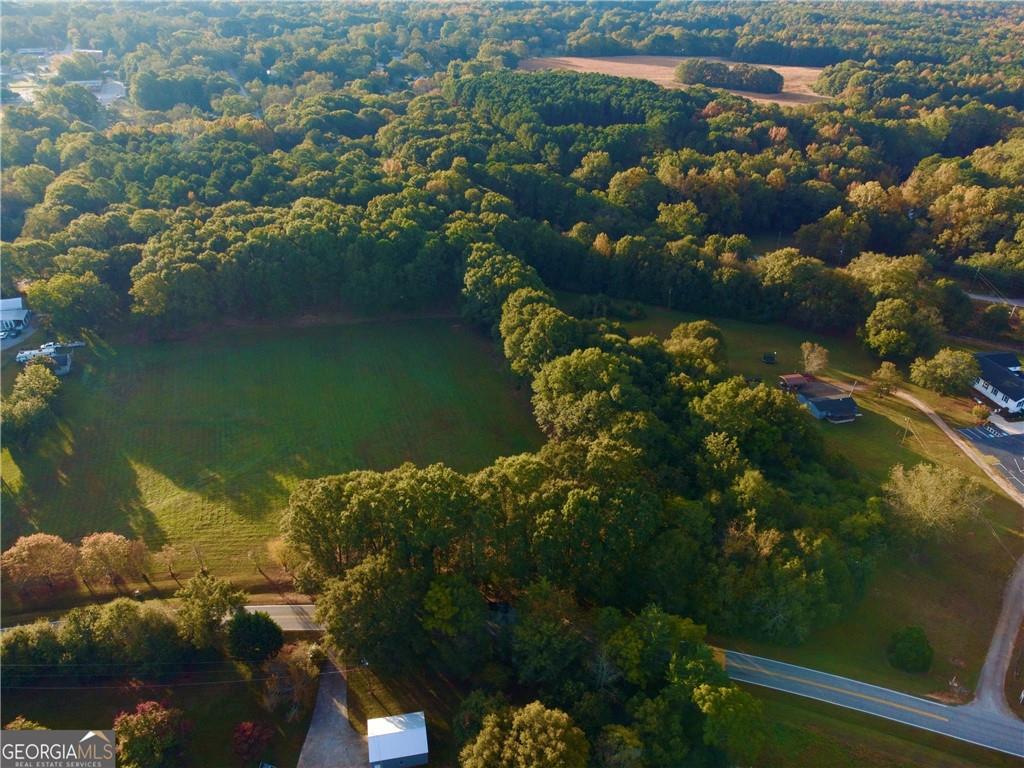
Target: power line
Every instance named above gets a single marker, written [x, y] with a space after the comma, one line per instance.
[159, 685]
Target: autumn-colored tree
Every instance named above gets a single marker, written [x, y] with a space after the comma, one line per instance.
[40, 559]
[931, 501]
[815, 357]
[107, 558]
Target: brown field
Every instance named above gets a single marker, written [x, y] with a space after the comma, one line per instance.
[796, 88]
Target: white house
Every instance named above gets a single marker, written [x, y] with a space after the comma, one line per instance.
[14, 313]
[1001, 380]
[397, 741]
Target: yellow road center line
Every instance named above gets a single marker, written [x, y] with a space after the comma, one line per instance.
[844, 691]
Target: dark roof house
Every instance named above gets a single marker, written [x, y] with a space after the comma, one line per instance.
[1000, 380]
[824, 401]
[836, 410]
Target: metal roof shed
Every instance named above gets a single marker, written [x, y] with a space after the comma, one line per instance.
[397, 741]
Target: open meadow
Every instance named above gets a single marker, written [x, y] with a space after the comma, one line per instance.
[953, 591]
[796, 87]
[201, 441]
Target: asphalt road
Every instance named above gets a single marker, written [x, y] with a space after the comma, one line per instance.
[291, 618]
[972, 723]
[997, 299]
[1006, 449]
[968, 723]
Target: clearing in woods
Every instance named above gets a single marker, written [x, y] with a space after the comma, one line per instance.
[796, 88]
[200, 442]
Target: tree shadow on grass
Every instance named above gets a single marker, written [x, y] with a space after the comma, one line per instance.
[60, 493]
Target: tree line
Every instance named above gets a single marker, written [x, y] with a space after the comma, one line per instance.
[743, 77]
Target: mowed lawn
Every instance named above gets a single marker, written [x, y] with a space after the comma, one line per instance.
[953, 590]
[804, 733]
[201, 441]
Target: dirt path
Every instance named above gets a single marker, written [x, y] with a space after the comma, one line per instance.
[330, 741]
[989, 693]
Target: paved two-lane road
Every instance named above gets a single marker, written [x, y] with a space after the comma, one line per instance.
[290, 617]
[971, 723]
[967, 723]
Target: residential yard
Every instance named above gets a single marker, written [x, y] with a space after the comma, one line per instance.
[954, 590]
[376, 695]
[806, 733]
[213, 703]
[200, 442]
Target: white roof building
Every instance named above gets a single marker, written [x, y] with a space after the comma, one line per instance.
[13, 313]
[397, 741]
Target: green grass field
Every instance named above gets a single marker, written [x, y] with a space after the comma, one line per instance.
[804, 733]
[953, 590]
[201, 441]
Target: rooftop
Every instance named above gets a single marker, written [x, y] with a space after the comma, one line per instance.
[396, 736]
[995, 369]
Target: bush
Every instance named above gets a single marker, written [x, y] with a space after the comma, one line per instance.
[910, 650]
[994, 321]
[250, 740]
[253, 637]
[149, 737]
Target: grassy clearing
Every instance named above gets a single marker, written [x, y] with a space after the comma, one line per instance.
[371, 694]
[661, 70]
[954, 590]
[200, 442]
[808, 733]
[213, 702]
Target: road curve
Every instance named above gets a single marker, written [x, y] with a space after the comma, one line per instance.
[989, 693]
[965, 723]
[978, 725]
[996, 299]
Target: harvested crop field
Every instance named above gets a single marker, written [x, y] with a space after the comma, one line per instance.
[796, 89]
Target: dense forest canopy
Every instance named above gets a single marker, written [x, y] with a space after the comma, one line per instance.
[278, 158]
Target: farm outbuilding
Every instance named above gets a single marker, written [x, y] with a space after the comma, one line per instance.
[397, 741]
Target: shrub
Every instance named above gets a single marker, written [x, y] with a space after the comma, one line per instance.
[253, 637]
[910, 650]
[250, 740]
[149, 737]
